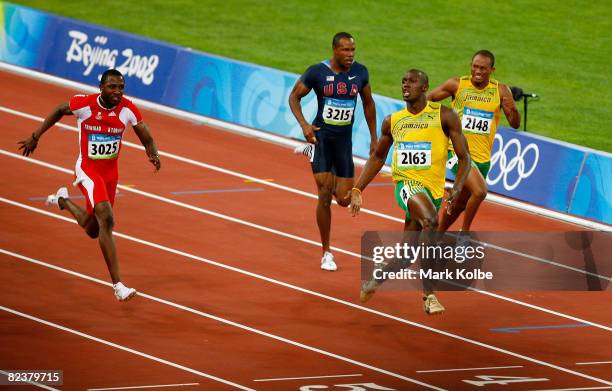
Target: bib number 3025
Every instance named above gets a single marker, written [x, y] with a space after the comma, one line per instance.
[102, 146]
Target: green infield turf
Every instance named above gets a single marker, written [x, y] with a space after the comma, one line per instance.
[559, 50]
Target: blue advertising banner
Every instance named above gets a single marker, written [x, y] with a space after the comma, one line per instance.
[23, 36]
[533, 169]
[593, 194]
[232, 91]
[82, 52]
[252, 95]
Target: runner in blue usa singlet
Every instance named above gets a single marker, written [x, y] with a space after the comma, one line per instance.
[336, 97]
[337, 83]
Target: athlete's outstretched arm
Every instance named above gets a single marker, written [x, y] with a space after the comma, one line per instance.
[299, 91]
[509, 107]
[369, 110]
[373, 165]
[452, 127]
[29, 145]
[444, 90]
[142, 131]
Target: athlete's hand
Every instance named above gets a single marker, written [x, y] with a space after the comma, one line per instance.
[28, 145]
[309, 133]
[154, 159]
[453, 195]
[356, 201]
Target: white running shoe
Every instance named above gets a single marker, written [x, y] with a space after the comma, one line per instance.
[306, 150]
[327, 262]
[431, 305]
[53, 199]
[123, 293]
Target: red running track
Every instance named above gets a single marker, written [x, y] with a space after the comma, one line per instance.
[230, 287]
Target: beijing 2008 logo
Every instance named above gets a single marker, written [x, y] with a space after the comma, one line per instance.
[515, 164]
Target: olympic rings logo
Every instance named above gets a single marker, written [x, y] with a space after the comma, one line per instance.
[507, 166]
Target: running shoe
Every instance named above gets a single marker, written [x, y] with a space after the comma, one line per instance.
[123, 293]
[463, 239]
[306, 150]
[327, 262]
[368, 289]
[431, 305]
[53, 199]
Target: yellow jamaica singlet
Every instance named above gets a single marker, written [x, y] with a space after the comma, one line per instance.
[420, 148]
[479, 112]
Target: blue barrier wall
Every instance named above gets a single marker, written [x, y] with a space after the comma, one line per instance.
[541, 171]
[81, 52]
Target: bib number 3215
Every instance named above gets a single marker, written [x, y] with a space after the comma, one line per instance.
[338, 112]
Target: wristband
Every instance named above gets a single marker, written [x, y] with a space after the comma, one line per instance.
[355, 188]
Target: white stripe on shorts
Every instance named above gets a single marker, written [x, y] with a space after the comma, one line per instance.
[87, 183]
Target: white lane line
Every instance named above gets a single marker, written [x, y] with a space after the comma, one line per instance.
[39, 385]
[594, 363]
[186, 206]
[220, 124]
[467, 369]
[124, 348]
[203, 165]
[225, 321]
[140, 387]
[543, 260]
[304, 240]
[578, 389]
[300, 192]
[309, 292]
[270, 137]
[309, 377]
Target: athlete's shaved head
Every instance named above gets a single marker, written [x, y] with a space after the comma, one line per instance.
[340, 36]
[485, 53]
[110, 72]
[422, 75]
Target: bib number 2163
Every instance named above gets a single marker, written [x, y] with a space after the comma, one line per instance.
[414, 155]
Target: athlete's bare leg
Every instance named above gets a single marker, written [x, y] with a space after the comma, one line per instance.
[327, 186]
[104, 215]
[423, 215]
[474, 192]
[85, 220]
[343, 188]
[478, 192]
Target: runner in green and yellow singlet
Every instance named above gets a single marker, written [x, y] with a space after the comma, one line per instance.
[419, 135]
[478, 101]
